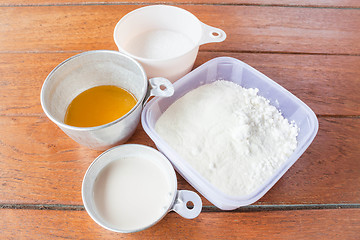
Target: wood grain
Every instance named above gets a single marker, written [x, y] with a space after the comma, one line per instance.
[307, 3]
[249, 28]
[312, 48]
[307, 224]
[328, 84]
[41, 165]
[328, 170]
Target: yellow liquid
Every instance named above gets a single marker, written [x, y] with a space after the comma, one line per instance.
[99, 105]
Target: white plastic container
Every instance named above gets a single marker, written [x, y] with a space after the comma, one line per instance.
[231, 69]
[175, 23]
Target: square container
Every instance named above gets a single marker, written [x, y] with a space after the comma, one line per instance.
[230, 69]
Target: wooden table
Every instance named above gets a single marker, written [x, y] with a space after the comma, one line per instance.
[312, 48]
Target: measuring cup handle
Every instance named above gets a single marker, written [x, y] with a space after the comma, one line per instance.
[182, 198]
[159, 87]
[211, 34]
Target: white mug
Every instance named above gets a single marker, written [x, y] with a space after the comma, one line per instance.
[131, 187]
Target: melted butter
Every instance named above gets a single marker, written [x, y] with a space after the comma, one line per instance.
[99, 105]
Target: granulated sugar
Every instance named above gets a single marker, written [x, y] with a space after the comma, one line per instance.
[159, 44]
[233, 137]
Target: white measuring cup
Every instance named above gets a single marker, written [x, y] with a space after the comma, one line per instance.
[164, 39]
[129, 199]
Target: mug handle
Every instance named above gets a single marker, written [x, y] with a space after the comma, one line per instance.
[182, 198]
[211, 34]
[159, 87]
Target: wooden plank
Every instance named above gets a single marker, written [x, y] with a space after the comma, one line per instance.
[41, 165]
[307, 224]
[21, 79]
[328, 84]
[249, 28]
[307, 3]
[326, 170]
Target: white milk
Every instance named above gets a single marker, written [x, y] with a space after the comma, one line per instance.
[159, 44]
[132, 193]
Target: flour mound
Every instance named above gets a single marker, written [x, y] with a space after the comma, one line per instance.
[233, 137]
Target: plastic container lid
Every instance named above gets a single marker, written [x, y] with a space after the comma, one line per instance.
[231, 69]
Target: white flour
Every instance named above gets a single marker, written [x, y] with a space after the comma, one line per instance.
[230, 135]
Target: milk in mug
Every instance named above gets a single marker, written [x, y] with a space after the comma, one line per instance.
[132, 193]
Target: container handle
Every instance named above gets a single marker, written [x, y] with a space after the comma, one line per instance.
[182, 199]
[211, 34]
[159, 87]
